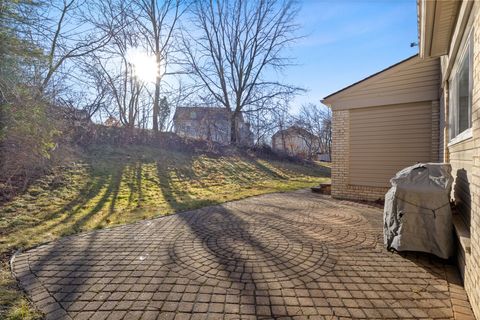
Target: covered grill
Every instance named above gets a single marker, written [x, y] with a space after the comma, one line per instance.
[417, 214]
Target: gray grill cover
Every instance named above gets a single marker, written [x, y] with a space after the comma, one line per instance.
[417, 215]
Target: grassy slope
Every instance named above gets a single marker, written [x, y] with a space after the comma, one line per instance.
[114, 186]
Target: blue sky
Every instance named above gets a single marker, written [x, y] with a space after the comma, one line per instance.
[347, 40]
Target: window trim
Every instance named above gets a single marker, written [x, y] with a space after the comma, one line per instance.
[453, 87]
[464, 135]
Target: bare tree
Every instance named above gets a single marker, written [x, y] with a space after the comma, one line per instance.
[262, 126]
[311, 143]
[282, 120]
[98, 98]
[318, 121]
[233, 46]
[179, 94]
[65, 34]
[327, 132]
[158, 20]
[112, 66]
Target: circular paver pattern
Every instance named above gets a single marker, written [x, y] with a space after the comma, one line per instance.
[307, 213]
[291, 255]
[336, 225]
[249, 254]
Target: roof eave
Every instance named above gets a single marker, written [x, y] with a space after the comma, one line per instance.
[325, 102]
[329, 99]
[436, 22]
[424, 27]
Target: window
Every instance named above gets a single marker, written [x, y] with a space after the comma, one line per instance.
[461, 93]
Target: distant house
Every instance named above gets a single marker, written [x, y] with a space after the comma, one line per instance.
[112, 122]
[324, 157]
[74, 116]
[209, 124]
[296, 141]
[78, 116]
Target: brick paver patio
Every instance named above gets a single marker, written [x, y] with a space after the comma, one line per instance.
[293, 255]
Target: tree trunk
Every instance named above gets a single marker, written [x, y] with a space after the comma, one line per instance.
[156, 105]
[156, 98]
[233, 129]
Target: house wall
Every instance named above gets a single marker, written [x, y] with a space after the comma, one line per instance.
[473, 279]
[385, 139]
[218, 131]
[354, 173]
[212, 129]
[294, 144]
[340, 163]
[464, 156]
[410, 81]
[361, 169]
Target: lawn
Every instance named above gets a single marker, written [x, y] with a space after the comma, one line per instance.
[111, 186]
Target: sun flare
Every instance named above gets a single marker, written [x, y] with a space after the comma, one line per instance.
[144, 65]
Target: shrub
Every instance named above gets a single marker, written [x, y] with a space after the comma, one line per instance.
[27, 140]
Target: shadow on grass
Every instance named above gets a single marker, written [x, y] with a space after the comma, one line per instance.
[110, 194]
[74, 221]
[112, 174]
[268, 171]
[179, 199]
[76, 214]
[88, 192]
[310, 169]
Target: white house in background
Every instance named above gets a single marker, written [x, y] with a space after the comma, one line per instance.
[296, 141]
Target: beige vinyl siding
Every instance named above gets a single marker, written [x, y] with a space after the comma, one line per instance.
[439, 16]
[411, 81]
[386, 139]
[382, 124]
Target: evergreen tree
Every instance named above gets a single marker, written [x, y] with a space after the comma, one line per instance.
[164, 113]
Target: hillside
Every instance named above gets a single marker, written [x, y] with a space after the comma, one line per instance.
[114, 186]
[110, 186]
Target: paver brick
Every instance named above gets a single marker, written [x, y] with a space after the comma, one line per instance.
[293, 255]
